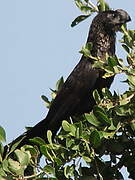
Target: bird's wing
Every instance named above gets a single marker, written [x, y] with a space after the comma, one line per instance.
[80, 81]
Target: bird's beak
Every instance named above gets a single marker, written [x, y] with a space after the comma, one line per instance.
[124, 16]
[128, 19]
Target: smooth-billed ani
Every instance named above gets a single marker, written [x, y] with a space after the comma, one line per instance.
[76, 94]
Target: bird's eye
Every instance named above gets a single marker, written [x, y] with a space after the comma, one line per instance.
[113, 15]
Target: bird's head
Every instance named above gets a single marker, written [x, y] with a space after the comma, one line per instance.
[113, 20]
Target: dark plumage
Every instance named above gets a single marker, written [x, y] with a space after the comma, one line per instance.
[75, 97]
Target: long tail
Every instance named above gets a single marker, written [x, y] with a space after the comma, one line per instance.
[51, 122]
[39, 130]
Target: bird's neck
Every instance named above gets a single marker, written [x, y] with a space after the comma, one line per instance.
[103, 42]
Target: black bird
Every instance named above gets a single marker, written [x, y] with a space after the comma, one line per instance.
[75, 96]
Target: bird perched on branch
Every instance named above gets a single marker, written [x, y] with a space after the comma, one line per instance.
[76, 94]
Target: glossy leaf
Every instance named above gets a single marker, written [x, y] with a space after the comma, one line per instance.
[96, 96]
[38, 141]
[1, 149]
[92, 119]
[49, 170]
[45, 152]
[102, 5]
[95, 138]
[79, 19]
[112, 61]
[59, 83]
[2, 135]
[112, 127]
[2, 174]
[100, 115]
[66, 125]
[49, 136]
[12, 147]
[87, 159]
[22, 157]
[15, 167]
[46, 100]
[86, 50]
[131, 79]
[68, 171]
[126, 48]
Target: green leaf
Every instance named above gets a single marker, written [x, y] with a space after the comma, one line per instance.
[49, 136]
[120, 111]
[1, 150]
[44, 151]
[112, 127]
[102, 5]
[33, 151]
[132, 126]
[95, 138]
[86, 49]
[79, 3]
[112, 61]
[45, 98]
[131, 71]
[37, 140]
[1, 158]
[5, 165]
[59, 83]
[47, 102]
[117, 69]
[53, 94]
[80, 128]
[68, 171]
[66, 126]
[100, 115]
[92, 119]
[69, 127]
[49, 170]
[58, 161]
[75, 147]
[124, 101]
[84, 7]
[69, 142]
[106, 93]
[15, 167]
[12, 147]
[96, 96]
[79, 19]
[2, 134]
[22, 157]
[126, 48]
[131, 79]
[2, 173]
[106, 135]
[109, 69]
[77, 133]
[72, 130]
[87, 159]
